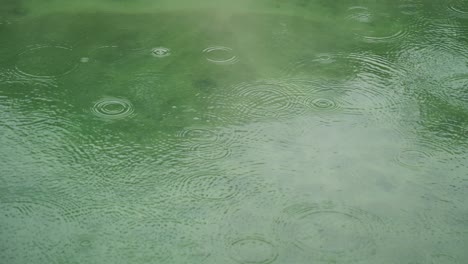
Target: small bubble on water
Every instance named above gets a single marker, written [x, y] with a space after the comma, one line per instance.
[84, 60]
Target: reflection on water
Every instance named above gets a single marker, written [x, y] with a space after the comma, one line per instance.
[234, 131]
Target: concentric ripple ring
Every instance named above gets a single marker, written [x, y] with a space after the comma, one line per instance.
[220, 55]
[253, 250]
[113, 108]
[329, 233]
[46, 61]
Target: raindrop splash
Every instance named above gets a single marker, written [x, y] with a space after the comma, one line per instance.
[160, 52]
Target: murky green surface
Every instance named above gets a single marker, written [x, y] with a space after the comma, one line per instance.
[234, 132]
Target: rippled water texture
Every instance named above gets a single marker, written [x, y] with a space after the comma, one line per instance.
[242, 132]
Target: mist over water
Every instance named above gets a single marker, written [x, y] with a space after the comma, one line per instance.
[234, 131]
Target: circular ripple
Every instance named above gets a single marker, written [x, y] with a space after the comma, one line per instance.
[46, 61]
[253, 250]
[369, 63]
[459, 8]
[14, 77]
[220, 55]
[372, 93]
[359, 14]
[199, 134]
[400, 34]
[160, 52]
[324, 104]
[324, 58]
[207, 144]
[321, 94]
[331, 233]
[323, 63]
[413, 158]
[210, 187]
[211, 152]
[113, 108]
[410, 8]
[266, 99]
[456, 90]
[376, 28]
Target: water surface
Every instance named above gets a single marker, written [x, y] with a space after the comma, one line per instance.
[234, 132]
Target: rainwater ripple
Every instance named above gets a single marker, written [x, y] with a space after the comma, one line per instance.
[111, 108]
[456, 90]
[359, 13]
[362, 96]
[265, 99]
[320, 96]
[400, 34]
[208, 144]
[210, 186]
[321, 63]
[375, 27]
[46, 61]
[324, 104]
[253, 249]
[410, 7]
[327, 232]
[220, 55]
[458, 8]
[14, 77]
[413, 158]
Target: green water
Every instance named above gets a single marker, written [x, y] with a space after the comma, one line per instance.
[250, 131]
